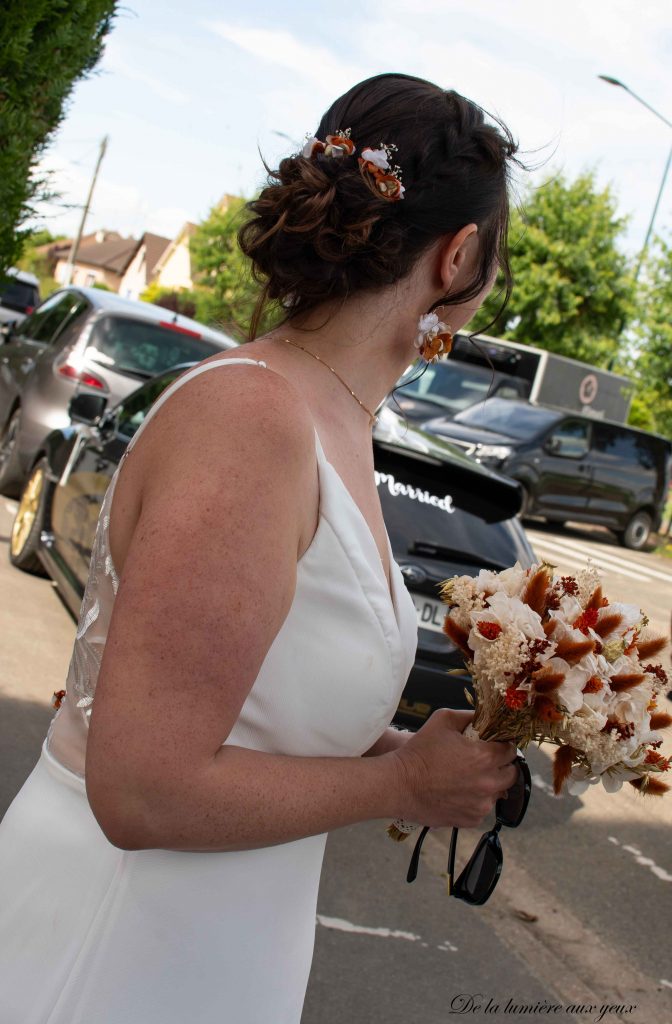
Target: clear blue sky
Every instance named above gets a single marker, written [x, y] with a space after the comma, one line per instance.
[189, 92]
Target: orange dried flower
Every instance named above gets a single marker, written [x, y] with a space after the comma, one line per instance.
[546, 709]
[626, 681]
[653, 787]
[57, 699]
[515, 698]
[608, 623]
[586, 620]
[562, 766]
[535, 591]
[653, 757]
[490, 630]
[546, 680]
[593, 685]
[458, 635]
[650, 648]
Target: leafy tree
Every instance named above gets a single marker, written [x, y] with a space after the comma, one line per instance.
[573, 291]
[177, 300]
[46, 46]
[653, 366]
[225, 291]
[36, 261]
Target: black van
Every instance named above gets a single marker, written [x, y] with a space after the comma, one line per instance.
[571, 466]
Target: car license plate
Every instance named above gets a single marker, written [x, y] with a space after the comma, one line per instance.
[431, 613]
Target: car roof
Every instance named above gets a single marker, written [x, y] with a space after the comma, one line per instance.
[561, 414]
[109, 302]
[23, 275]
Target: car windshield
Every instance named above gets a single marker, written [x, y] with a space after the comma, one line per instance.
[450, 386]
[19, 295]
[141, 348]
[501, 415]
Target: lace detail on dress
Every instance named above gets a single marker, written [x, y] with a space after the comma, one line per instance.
[94, 615]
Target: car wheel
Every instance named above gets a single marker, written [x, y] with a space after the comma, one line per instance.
[527, 503]
[637, 532]
[10, 471]
[29, 521]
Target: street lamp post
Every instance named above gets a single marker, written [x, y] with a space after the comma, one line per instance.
[621, 85]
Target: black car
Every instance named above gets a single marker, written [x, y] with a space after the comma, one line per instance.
[445, 515]
[572, 467]
[447, 388]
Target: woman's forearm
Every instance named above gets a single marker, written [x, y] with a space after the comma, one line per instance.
[245, 799]
[391, 739]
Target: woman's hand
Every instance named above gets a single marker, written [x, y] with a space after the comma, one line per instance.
[447, 779]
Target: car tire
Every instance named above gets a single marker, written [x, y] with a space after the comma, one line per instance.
[528, 501]
[10, 470]
[30, 520]
[637, 532]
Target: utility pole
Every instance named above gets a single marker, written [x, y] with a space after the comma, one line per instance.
[73, 251]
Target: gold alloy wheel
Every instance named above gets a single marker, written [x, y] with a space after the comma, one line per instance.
[27, 511]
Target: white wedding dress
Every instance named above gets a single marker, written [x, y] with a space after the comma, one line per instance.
[92, 934]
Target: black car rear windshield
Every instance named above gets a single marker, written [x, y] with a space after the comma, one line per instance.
[141, 349]
[503, 416]
[450, 387]
[19, 295]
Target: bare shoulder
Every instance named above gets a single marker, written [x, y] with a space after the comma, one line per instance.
[240, 438]
[233, 413]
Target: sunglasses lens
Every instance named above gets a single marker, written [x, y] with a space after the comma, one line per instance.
[511, 809]
[482, 870]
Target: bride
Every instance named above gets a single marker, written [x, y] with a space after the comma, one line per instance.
[246, 635]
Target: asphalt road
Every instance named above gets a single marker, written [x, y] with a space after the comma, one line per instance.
[579, 918]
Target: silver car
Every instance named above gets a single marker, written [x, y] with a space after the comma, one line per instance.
[83, 339]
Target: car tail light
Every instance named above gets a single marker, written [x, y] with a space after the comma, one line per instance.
[81, 376]
[29, 310]
[180, 330]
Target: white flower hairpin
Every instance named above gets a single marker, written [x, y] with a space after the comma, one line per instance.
[373, 163]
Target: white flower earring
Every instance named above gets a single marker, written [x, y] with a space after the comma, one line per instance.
[435, 339]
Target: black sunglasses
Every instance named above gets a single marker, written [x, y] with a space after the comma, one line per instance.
[480, 875]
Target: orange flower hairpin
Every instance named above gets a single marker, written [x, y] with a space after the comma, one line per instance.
[376, 164]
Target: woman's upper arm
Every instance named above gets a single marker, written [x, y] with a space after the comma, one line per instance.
[207, 581]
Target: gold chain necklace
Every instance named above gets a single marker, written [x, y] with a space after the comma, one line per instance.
[373, 419]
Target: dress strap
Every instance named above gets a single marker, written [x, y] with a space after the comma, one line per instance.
[189, 375]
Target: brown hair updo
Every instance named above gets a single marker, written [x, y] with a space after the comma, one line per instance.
[317, 233]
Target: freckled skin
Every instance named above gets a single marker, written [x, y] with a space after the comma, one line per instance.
[212, 509]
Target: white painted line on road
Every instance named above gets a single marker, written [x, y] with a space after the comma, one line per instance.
[578, 555]
[600, 562]
[663, 981]
[646, 862]
[448, 946]
[543, 785]
[347, 926]
[606, 553]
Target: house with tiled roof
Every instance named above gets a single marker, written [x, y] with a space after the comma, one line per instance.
[102, 258]
[142, 269]
[173, 268]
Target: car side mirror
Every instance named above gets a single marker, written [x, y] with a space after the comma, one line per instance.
[553, 445]
[87, 408]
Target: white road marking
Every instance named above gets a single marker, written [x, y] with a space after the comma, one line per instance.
[663, 981]
[347, 926]
[448, 946]
[632, 563]
[646, 862]
[543, 785]
[576, 554]
[599, 554]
